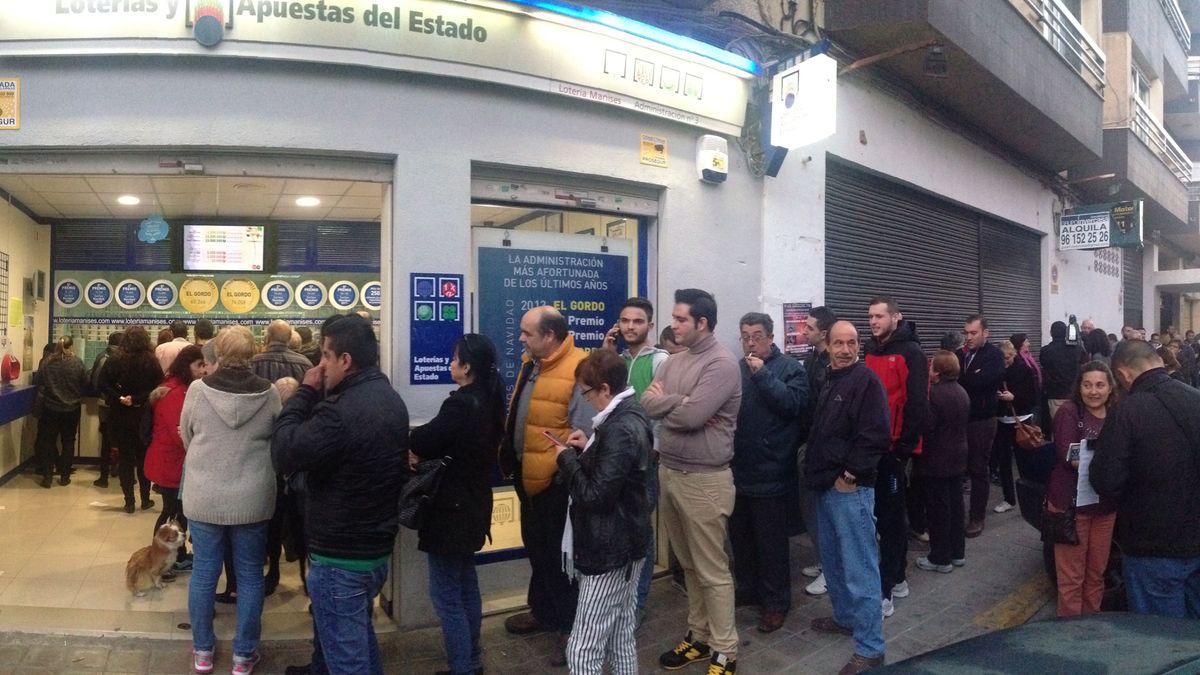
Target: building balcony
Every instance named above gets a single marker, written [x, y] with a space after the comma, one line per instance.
[1022, 71]
[1142, 161]
[1160, 36]
[1182, 116]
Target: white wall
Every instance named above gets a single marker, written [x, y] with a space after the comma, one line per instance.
[707, 236]
[1086, 290]
[28, 247]
[880, 132]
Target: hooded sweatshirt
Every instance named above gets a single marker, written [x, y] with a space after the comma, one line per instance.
[902, 369]
[226, 427]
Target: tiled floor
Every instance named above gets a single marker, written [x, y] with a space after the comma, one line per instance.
[65, 548]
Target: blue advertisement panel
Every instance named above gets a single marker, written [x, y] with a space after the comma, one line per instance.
[435, 324]
[588, 288]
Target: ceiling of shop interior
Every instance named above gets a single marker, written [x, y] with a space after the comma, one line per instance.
[503, 217]
[95, 197]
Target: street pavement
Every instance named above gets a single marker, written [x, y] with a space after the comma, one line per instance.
[1002, 585]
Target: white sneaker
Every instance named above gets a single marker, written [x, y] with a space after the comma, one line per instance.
[959, 562]
[900, 590]
[202, 661]
[926, 564]
[888, 608]
[812, 571]
[1004, 507]
[817, 587]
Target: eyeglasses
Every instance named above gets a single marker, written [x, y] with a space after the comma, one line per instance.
[754, 338]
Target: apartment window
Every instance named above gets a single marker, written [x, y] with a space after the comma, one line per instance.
[1141, 86]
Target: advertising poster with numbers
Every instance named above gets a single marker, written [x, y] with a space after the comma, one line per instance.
[1101, 225]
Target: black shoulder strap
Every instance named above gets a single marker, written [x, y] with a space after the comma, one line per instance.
[1192, 440]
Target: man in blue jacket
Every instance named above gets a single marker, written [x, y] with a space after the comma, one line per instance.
[346, 430]
[774, 393]
[850, 433]
[982, 370]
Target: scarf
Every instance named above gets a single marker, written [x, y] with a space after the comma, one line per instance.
[568, 537]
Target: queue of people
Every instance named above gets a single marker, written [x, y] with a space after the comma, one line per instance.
[869, 443]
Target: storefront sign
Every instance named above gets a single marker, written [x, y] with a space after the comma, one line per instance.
[1101, 225]
[804, 102]
[435, 324]
[239, 296]
[162, 294]
[130, 294]
[98, 294]
[343, 295]
[588, 288]
[223, 298]
[69, 293]
[795, 339]
[590, 55]
[10, 102]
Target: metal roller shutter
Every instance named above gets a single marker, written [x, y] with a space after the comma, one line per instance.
[1131, 286]
[1011, 281]
[883, 238]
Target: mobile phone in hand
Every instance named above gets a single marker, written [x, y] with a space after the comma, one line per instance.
[554, 439]
[1073, 452]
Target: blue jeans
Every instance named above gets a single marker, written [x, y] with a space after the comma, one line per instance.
[249, 545]
[454, 590]
[850, 561]
[643, 587]
[1163, 586]
[341, 603]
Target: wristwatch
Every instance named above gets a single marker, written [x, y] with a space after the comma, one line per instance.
[849, 478]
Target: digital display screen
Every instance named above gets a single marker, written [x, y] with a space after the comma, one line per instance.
[223, 248]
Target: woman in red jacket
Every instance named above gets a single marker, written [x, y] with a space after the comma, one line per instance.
[164, 457]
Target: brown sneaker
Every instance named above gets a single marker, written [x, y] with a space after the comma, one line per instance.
[859, 664]
[826, 624]
[974, 529]
[522, 624]
[770, 622]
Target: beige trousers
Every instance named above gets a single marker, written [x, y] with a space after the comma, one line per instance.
[695, 509]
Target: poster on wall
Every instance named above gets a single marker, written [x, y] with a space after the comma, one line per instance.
[588, 288]
[435, 324]
[795, 340]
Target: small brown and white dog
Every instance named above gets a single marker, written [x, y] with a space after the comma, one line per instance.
[147, 565]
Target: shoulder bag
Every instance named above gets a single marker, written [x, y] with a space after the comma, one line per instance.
[418, 492]
[1028, 436]
[1058, 527]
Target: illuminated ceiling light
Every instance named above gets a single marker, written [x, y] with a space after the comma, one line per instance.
[647, 32]
[307, 201]
[128, 200]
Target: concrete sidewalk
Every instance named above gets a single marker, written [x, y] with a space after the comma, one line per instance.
[1001, 585]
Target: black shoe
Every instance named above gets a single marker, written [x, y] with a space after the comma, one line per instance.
[684, 654]
[147, 504]
[65, 480]
[100, 482]
[227, 598]
[299, 670]
[47, 481]
[129, 508]
[168, 576]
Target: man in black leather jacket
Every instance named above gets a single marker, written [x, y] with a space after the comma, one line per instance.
[352, 444]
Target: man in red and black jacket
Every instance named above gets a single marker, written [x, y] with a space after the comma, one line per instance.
[895, 356]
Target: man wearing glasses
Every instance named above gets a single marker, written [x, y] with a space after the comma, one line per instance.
[696, 395]
[774, 394]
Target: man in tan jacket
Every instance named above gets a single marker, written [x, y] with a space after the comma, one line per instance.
[696, 395]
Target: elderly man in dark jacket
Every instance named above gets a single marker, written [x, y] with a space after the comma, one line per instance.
[1148, 459]
[774, 394]
[346, 429]
[850, 433]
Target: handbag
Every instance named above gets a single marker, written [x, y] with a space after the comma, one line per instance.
[1027, 436]
[418, 492]
[1059, 527]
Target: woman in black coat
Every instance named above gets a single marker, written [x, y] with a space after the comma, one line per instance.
[467, 429]
[609, 517]
[1018, 394]
[126, 382]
